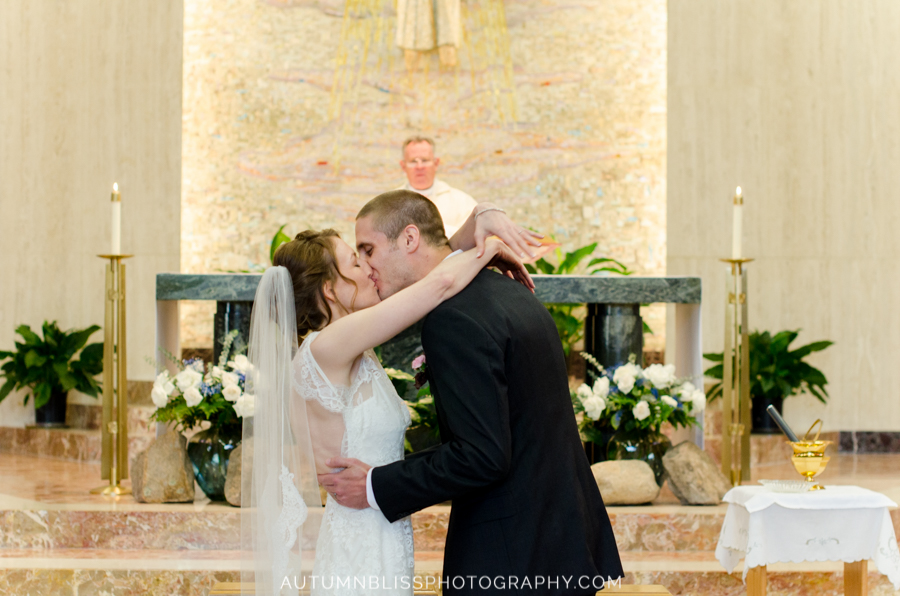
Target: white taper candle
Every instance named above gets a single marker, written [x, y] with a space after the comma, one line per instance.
[737, 224]
[116, 220]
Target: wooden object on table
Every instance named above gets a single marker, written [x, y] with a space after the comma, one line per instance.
[757, 581]
[856, 578]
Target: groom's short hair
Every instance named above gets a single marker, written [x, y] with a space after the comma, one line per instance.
[392, 211]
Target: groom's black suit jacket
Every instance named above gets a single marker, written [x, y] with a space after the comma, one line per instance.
[525, 503]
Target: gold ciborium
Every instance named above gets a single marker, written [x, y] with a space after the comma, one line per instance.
[809, 457]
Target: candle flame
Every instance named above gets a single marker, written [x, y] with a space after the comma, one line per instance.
[116, 187]
[738, 191]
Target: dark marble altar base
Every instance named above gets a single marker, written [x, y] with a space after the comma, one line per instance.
[870, 442]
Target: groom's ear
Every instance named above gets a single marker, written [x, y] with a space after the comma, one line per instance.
[411, 238]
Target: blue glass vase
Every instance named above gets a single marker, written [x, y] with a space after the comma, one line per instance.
[209, 451]
[642, 444]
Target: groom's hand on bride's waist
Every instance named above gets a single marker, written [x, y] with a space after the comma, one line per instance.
[347, 486]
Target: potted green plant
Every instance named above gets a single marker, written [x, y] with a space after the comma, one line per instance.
[47, 368]
[776, 372]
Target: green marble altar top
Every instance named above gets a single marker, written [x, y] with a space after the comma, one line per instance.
[582, 289]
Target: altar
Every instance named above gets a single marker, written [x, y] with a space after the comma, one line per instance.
[613, 326]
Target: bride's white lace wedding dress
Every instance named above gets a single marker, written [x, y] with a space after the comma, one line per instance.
[365, 421]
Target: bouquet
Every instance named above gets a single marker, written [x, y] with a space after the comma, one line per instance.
[630, 398]
[214, 393]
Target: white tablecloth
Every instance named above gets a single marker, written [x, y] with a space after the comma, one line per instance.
[841, 523]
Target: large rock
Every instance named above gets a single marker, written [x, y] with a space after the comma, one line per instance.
[693, 476]
[625, 482]
[162, 473]
[233, 476]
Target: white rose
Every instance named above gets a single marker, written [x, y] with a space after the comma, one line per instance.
[625, 377]
[661, 376]
[641, 410]
[192, 396]
[601, 387]
[240, 363]
[230, 378]
[162, 377]
[594, 406]
[668, 401]
[159, 396]
[687, 389]
[583, 392]
[698, 401]
[231, 393]
[245, 405]
[188, 378]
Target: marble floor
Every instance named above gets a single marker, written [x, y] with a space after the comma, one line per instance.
[53, 532]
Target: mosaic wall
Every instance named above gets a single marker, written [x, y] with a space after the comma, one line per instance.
[294, 112]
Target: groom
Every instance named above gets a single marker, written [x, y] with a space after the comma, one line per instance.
[527, 516]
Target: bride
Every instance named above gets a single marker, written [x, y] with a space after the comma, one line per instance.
[331, 398]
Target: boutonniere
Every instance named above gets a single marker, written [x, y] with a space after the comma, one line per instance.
[419, 366]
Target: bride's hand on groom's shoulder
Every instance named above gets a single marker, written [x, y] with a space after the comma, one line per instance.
[508, 262]
[348, 486]
[493, 221]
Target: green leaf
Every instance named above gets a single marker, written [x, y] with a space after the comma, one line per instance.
[76, 340]
[715, 372]
[545, 267]
[277, 240]
[6, 389]
[713, 357]
[28, 335]
[575, 257]
[619, 267]
[33, 359]
[42, 394]
[817, 346]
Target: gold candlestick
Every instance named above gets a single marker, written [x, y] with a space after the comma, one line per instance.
[114, 429]
[736, 377]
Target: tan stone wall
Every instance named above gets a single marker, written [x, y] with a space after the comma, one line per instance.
[567, 130]
[90, 93]
[798, 103]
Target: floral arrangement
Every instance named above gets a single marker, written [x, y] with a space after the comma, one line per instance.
[215, 393]
[631, 398]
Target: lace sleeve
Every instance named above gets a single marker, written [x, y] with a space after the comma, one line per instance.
[311, 383]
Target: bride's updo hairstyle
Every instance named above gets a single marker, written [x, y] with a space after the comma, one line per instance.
[311, 261]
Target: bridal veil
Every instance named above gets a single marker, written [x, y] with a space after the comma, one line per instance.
[281, 517]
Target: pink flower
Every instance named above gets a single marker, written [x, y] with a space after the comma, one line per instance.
[418, 361]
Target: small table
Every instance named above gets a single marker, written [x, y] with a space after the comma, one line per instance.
[843, 523]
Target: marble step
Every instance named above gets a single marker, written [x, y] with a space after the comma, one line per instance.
[28, 572]
[653, 528]
[76, 444]
[217, 527]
